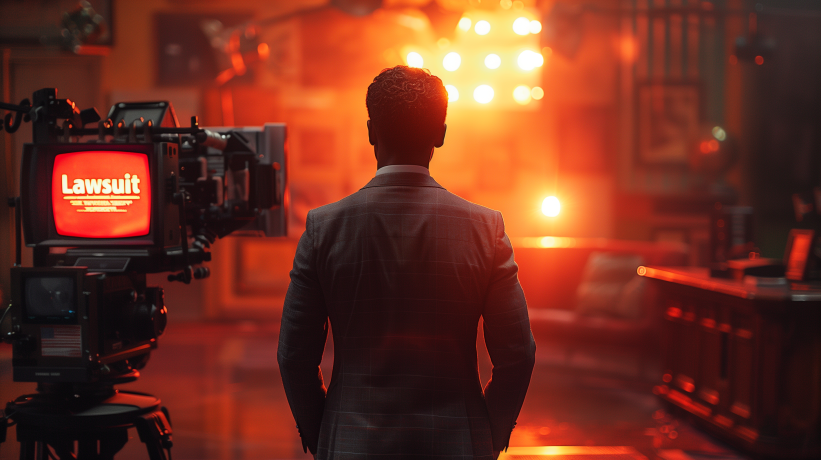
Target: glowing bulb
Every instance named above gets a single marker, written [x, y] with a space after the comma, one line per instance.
[551, 206]
[483, 94]
[482, 27]
[465, 23]
[719, 133]
[414, 59]
[529, 60]
[521, 26]
[522, 94]
[506, 4]
[453, 93]
[537, 93]
[452, 61]
[493, 61]
[535, 26]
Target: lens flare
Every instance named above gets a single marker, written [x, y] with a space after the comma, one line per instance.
[483, 94]
[493, 61]
[465, 24]
[719, 133]
[453, 93]
[482, 27]
[521, 26]
[529, 60]
[452, 61]
[535, 26]
[522, 94]
[551, 206]
[414, 59]
[537, 93]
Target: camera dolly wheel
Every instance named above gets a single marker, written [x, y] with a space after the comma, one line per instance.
[48, 427]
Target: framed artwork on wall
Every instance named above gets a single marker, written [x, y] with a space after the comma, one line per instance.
[668, 118]
[64, 23]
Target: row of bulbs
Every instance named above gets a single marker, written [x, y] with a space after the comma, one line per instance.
[521, 26]
[527, 60]
[484, 93]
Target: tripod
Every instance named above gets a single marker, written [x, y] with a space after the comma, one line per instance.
[96, 417]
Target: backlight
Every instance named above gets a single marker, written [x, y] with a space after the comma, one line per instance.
[101, 194]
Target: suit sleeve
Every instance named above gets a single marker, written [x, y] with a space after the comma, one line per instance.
[509, 341]
[302, 335]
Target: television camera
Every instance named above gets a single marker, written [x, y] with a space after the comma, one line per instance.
[103, 203]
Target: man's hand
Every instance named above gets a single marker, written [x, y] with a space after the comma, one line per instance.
[496, 454]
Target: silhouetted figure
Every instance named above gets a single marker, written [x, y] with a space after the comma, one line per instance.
[404, 269]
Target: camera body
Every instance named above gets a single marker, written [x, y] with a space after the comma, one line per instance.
[76, 325]
[103, 207]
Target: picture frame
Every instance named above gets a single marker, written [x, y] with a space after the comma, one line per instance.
[22, 25]
[667, 122]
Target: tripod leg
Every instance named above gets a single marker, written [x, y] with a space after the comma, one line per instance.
[27, 450]
[155, 433]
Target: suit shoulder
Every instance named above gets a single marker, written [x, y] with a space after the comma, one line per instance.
[475, 209]
[331, 210]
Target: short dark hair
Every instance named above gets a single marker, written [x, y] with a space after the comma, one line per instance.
[407, 105]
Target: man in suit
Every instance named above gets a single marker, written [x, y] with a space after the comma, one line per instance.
[403, 270]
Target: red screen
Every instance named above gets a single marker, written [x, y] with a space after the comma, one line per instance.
[101, 194]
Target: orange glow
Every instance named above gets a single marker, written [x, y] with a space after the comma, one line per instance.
[535, 26]
[709, 146]
[263, 51]
[628, 49]
[465, 24]
[551, 206]
[759, 60]
[482, 27]
[101, 194]
[537, 93]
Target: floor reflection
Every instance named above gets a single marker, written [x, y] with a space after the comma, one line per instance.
[221, 384]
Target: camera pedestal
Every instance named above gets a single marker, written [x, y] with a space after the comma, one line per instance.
[98, 425]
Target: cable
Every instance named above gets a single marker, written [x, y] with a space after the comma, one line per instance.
[4, 317]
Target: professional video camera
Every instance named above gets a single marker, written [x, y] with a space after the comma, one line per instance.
[104, 206]
[142, 196]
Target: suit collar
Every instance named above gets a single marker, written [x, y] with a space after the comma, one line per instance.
[402, 179]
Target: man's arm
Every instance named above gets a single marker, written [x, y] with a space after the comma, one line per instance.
[302, 336]
[509, 342]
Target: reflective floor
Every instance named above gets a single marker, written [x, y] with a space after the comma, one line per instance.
[221, 385]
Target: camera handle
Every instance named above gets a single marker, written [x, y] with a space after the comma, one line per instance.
[16, 203]
[189, 272]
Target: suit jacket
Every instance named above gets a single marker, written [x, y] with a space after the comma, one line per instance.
[404, 270]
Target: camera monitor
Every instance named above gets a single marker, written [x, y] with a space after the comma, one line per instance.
[49, 299]
[102, 195]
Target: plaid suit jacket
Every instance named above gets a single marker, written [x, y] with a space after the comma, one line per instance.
[404, 270]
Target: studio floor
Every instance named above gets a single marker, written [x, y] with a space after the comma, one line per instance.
[221, 384]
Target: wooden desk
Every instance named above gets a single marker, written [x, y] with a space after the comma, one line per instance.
[743, 359]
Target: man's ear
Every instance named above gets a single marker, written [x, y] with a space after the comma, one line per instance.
[371, 133]
[441, 141]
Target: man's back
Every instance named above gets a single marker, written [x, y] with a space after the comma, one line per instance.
[404, 270]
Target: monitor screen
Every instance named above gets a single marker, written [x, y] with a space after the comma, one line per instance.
[101, 194]
[50, 299]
